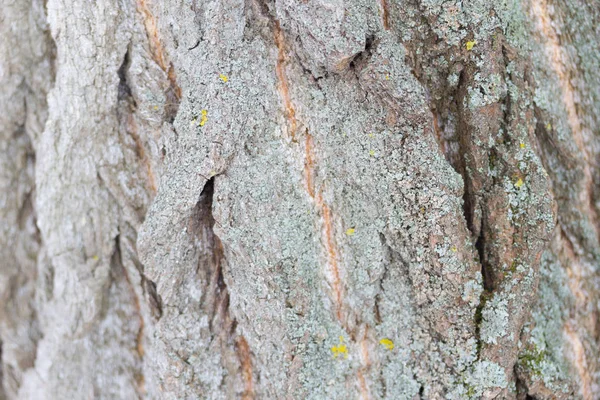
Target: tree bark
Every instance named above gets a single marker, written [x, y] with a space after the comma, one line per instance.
[291, 199]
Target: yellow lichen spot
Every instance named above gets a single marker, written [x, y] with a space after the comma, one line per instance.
[548, 126]
[350, 231]
[204, 118]
[387, 77]
[522, 145]
[155, 108]
[519, 183]
[471, 44]
[340, 349]
[371, 153]
[422, 210]
[387, 343]
[224, 78]
[371, 135]
[454, 249]
[95, 258]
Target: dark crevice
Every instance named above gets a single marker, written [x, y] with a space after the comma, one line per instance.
[521, 386]
[464, 143]
[476, 224]
[448, 108]
[194, 46]
[507, 109]
[153, 298]
[486, 270]
[216, 298]
[361, 59]
[215, 301]
[173, 96]
[483, 298]
[124, 92]
[25, 211]
[383, 278]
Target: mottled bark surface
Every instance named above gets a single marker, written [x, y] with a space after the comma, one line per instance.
[291, 199]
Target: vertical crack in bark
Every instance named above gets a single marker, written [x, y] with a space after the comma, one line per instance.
[437, 131]
[487, 205]
[452, 103]
[215, 301]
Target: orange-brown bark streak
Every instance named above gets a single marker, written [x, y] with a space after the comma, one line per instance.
[156, 46]
[332, 272]
[385, 18]
[246, 363]
[332, 269]
[364, 358]
[331, 248]
[283, 86]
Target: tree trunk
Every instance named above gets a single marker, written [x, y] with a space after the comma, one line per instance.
[289, 199]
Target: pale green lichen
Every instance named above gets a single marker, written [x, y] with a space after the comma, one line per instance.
[482, 376]
[494, 322]
[542, 355]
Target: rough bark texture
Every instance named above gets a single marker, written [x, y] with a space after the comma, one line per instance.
[321, 199]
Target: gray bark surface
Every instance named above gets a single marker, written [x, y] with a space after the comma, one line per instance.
[299, 199]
